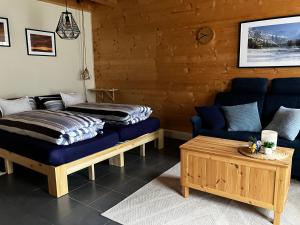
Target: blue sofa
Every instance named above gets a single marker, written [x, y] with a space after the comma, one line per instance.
[283, 92]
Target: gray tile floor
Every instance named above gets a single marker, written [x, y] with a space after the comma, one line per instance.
[24, 199]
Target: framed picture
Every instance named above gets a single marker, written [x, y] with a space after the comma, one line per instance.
[270, 43]
[40, 43]
[4, 32]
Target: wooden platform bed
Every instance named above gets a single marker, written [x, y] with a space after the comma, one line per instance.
[58, 175]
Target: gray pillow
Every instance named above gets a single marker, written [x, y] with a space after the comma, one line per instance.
[286, 122]
[243, 117]
[71, 99]
[8, 107]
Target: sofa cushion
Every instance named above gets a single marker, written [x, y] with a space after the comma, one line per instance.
[274, 101]
[231, 135]
[250, 85]
[212, 117]
[230, 99]
[285, 86]
[243, 117]
[286, 122]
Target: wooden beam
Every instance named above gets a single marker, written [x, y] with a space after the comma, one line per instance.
[106, 2]
[73, 4]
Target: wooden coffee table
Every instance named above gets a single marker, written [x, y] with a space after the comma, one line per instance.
[215, 166]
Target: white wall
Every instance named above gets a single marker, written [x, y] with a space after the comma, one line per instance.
[21, 74]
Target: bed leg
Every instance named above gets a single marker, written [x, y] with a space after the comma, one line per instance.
[92, 172]
[118, 160]
[9, 167]
[161, 141]
[58, 182]
[143, 150]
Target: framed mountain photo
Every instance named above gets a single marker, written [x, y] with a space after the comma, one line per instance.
[270, 43]
[4, 33]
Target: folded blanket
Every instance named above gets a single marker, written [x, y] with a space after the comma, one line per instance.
[114, 113]
[58, 127]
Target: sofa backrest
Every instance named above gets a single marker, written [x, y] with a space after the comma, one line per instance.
[288, 86]
[273, 103]
[230, 99]
[244, 91]
[250, 85]
[284, 92]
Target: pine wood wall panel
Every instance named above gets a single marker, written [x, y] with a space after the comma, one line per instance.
[147, 49]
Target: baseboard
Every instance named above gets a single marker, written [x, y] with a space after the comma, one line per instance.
[178, 135]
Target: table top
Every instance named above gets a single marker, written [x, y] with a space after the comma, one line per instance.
[229, 149]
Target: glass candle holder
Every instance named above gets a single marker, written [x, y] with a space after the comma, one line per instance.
[269, 136]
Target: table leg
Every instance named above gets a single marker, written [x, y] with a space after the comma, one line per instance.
[185, 192]
[277, 216]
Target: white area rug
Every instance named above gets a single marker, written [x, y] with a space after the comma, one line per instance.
[160, 202]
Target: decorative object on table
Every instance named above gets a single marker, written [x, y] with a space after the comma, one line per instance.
[267, 148]
[67, 27]
[40, 43]
[205, 35]
[4, 33]
[269, 136]
[276, 155]
[254, 145]
[85, 73]
[270, 43]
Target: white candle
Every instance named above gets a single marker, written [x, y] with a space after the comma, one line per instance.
[269, 136]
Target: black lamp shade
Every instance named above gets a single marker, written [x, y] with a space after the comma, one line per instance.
[67, 27]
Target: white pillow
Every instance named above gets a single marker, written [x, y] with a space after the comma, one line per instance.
[71, 99]
[9, 107]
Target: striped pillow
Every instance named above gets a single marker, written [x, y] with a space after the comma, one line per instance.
[52, 103]
[32, 103]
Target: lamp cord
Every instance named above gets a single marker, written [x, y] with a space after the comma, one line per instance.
[83, 39]
[66, 5]
[84, 63]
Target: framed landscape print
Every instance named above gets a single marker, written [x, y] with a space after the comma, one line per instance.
[40, 43]
[4, 32]
[270, 43]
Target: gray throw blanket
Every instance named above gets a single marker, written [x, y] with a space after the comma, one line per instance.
[114, 113]
[58, 127]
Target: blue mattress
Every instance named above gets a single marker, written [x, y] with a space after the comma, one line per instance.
[129, 132]
[55, 155]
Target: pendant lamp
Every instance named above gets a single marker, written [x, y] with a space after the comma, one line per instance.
[67, 27]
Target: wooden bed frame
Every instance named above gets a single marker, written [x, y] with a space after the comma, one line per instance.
[58, 176]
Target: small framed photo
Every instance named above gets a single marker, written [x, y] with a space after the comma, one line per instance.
[270, 43]
[4, 33]
[40, 43]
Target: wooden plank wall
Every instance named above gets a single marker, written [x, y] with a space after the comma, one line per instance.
[147, 49]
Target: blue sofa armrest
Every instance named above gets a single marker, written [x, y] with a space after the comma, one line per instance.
[197, 123]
